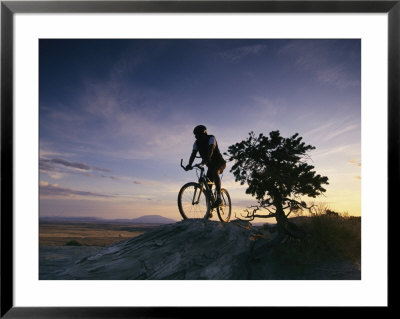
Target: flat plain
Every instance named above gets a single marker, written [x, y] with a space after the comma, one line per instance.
[88, 233]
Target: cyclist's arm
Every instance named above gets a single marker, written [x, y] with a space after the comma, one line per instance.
[211, 147]
[193, 155]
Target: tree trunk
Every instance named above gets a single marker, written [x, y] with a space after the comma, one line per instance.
[285, 226]
[285, 229]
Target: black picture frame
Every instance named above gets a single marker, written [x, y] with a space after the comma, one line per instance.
[9, 8]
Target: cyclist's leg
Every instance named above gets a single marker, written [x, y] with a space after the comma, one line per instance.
[212, 174]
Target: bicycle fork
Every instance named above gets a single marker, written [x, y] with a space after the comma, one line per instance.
[196, 197]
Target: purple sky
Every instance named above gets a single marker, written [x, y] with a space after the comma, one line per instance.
[116, 117]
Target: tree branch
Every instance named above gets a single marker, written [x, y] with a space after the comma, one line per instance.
[252, 215]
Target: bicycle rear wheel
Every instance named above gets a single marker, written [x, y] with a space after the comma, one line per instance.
[192, 202]
[224, 211]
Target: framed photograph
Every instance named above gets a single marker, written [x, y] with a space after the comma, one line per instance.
[287, 112]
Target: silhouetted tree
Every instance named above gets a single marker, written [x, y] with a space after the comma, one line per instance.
[278, 175]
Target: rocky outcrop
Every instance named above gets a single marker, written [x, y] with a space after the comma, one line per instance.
[194, 250]
[190, 249]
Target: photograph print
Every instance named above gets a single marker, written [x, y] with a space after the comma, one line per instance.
[199, 159]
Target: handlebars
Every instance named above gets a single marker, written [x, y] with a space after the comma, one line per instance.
[199, 165]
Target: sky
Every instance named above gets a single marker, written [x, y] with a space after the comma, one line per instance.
[116, 117]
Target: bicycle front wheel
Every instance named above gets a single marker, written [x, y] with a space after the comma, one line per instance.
[192, 202]
[224, 211]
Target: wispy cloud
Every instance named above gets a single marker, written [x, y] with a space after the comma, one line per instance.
[234, 55]
[337, 76]
[331, 130]
[58, 168]
[306, 54]
[53, 190]
[267, 105]
[47, 150]
[105, 170]
[319, 129]
[55, 163]
[355, 162]
[323, 63]
[340, 131]
[334, 150]
[114, 178]
[63, 162]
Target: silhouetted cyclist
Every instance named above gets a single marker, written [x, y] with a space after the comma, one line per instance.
[207, 146]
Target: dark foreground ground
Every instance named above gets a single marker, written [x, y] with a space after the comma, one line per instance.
[186, 250]
[55, 259]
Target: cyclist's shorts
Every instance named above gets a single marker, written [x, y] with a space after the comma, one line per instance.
[221, 169]
[216, 167]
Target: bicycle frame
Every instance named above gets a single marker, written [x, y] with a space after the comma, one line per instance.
[203, 185]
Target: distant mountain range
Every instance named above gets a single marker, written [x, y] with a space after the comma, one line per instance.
[147, 219]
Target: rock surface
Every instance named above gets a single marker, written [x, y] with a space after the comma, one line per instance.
[194, 250]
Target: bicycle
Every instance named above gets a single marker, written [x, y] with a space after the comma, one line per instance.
[197, 200]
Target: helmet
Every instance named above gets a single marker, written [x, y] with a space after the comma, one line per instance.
[200, 129]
